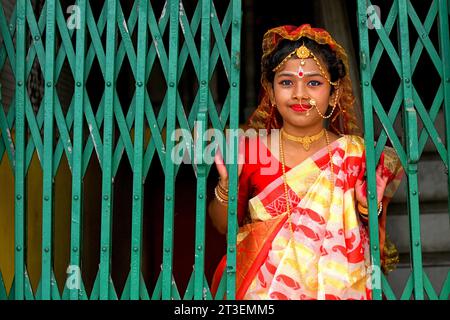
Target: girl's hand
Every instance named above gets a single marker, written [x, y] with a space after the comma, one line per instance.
[221, 166]
[361, 183]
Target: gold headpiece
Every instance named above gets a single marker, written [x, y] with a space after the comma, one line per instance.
[303, 53]
[343, 120]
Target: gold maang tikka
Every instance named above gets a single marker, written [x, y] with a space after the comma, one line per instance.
[303, 53]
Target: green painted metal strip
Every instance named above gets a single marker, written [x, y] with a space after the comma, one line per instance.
[429, 127]
[410, 121]
[444, 43]
[387, 122]
[126, 289]
[19, 183]
[367, 103]
[3, 295]
[407, 292]
[138, 192]
[28, 290]
[431, 293]
[7, 34]
[143, 289]
[77, 160]
[390, 295]
[157, 291]
[156, 143]
[169, 189]
[232, 168]
[94, 121]
[95, 293]
[12, 292]
[189, 293]
[126, 29]
[445, 291]
[7, 51]
[108, 141]
[6, 137]
[199, 267]
[220, 294]
[47, 201]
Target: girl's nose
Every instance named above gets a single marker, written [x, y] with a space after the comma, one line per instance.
[299, 91]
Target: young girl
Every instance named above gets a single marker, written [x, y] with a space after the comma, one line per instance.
[304, 231]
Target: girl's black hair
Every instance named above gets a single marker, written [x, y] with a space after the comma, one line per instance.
[323, 52]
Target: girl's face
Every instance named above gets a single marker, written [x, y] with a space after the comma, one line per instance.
[293, 87]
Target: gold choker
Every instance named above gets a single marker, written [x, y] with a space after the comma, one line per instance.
[306, 140]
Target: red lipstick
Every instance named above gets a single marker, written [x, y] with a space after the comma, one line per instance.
[300, 107]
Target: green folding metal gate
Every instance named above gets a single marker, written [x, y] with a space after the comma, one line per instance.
[113, 132]
[407, 104]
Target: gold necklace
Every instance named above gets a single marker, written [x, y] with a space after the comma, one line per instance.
[306, 140]
[288, 203]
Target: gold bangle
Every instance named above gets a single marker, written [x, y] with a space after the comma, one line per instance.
[222, 200]
[225, 190]
[365, 211]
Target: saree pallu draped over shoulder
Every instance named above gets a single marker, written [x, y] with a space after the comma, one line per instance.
[325, 253]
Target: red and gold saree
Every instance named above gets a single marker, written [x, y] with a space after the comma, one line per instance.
[326, 253]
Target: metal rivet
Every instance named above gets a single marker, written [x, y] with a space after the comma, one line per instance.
[78, 84]
[375, 248]
[232, 213]
[156, 37]
[231, 250]
[232, 198]
[49, 84]
[105, 197]
[200, 196]
[75, 197]
[167, 249]
[234, 84]
[414, 192]
[139, 83]
[19, 83]
[171, 84]
[46, 250]
[407, 80]
[46, 198]
[135, 249]
[104, 249]
[108, 84]
[18, 248]
[448, 79]
[372, 196]
[19, 197]
[36, 38]
[203, 82]
[168, 198]
[417, 243]
[236, 22]
[363, 21]
[11, 27]
[366, 83]
[75, 249]
[199, 248]
[136, 197]
[424, 36]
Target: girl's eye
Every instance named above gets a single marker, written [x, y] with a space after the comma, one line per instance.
[285, 82]
[314, 83]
